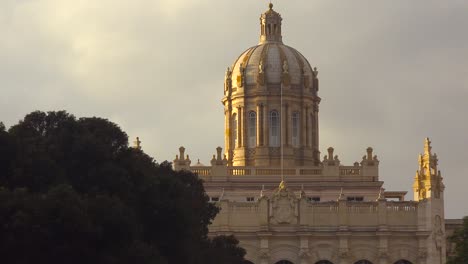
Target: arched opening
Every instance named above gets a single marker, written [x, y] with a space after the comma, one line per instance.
[403, 261]
[274, 129]
[363, 261]
[323, 262]
[284, 262]
[252, 129]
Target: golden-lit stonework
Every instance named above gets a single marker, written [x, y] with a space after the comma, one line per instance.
[254, 85]
[323, 212]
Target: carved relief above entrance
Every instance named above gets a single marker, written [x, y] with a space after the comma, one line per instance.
[284, 206]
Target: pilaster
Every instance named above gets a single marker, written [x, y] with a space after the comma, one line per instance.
[259, 125]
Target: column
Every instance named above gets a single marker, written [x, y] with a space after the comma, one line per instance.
[259, 125]
[229, 135]
[343, 249]
[307, 127]
[245, 137]
[239, 127]
[264, 253]
[303, 133]
[315, 127]
[285, 122]
[266, 128]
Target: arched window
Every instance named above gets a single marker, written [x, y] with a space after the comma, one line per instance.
[403, 261]
[234, 130]
[274, 129]
[284, 262]
[295, 129]
[323, 262]
[252, 129]
[363, 261]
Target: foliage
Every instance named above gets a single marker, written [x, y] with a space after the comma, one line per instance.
[224, 249]
[460, 238]
[72, 191]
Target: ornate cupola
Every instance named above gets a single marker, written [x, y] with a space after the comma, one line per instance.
[270, 26]
[271, 103]
[428, 180]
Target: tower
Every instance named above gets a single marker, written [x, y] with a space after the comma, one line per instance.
[429, 191]
[270, 101]
[428, 180]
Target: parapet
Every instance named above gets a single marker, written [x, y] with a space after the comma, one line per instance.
[330, 169]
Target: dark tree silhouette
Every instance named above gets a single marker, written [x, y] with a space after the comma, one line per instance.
[460, 238]
[72, 191]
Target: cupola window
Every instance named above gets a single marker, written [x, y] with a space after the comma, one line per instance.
[274, 129]
[252, 129]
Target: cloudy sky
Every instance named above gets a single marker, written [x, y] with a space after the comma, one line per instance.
[391, 73]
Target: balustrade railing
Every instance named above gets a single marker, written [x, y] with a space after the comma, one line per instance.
[342, 173]
[201, 171]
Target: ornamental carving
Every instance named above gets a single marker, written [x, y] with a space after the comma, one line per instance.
[422, 254]
[343, 253]
[306, 81]
[264, 254]
[284, 207]
[261, 79]
[286, 79]
[383, 254]
[304, 253]
[438, 233]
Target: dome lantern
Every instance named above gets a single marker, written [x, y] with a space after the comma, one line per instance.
[270, 26]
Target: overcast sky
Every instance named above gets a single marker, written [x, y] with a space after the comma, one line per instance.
[391, 73]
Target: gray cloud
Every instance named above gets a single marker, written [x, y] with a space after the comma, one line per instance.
[391, 73]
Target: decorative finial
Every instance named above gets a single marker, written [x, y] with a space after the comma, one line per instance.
[261, 192]
[270, 5]
[427, 146]
[282, 186]
[222, 195]
[341, 197]
[381, 195]
[137, 143]
[303, 194]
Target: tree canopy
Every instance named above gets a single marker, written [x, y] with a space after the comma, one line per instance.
[73, 191]
[460, 238]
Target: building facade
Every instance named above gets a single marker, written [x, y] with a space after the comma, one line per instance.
[287, 204]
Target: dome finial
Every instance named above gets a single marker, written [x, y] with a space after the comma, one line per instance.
[270, 5]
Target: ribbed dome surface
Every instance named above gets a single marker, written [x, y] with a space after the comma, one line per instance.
[272, 56]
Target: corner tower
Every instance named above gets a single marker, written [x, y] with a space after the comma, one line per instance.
[429, 191]
[428, 180]
[271, 100]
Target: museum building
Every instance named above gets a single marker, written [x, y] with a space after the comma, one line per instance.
[287, 204]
